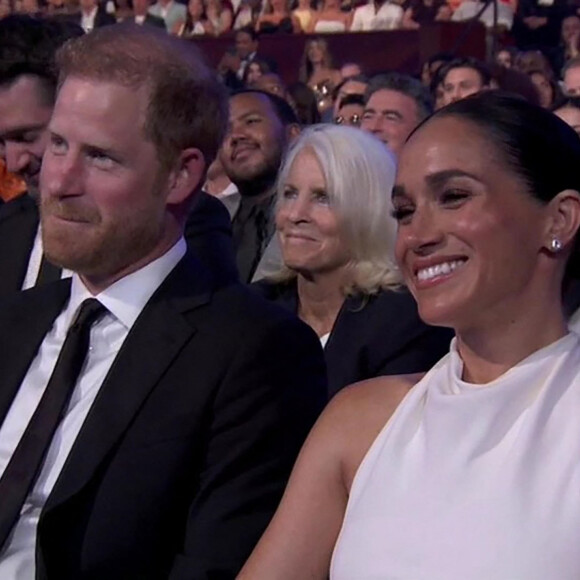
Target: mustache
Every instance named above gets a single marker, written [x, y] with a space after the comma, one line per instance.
[69, 210]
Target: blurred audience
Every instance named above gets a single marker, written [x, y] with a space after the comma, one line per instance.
[196, 21]
[305, 11]
[506, 56]
[462, 77]
[277, 18]
[569, 111]
[140, 14]
[330, 18]
[418, 12]
[547, 88]
[220, 15]
[377, 15]
[571, 77]
[303, 99]
[171, 11]
[356, 85]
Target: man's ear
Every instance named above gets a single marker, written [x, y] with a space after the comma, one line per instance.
[292, 131]
[185, 178]
[564, 219]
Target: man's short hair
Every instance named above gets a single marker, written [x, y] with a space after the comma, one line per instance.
[405, 85]
[467, 62]
[283, 110]
[250, 31]
[28, 46]
[572, 63]
[187, 105]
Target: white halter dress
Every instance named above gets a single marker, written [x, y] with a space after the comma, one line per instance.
[473, 482]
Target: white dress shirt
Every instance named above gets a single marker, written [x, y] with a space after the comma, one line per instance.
[124, 301]
[387, 17]
[34, 263]
[88, 19]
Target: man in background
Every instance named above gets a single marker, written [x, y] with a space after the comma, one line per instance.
[261, 127]
[394, 105]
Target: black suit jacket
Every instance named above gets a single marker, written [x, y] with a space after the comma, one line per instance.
[185, 452]
[208, 233]
[372, 335]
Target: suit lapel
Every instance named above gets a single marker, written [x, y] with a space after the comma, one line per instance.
[156, 339]
[18, 225]
[22, 332]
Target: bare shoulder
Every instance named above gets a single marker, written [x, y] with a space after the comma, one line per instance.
[360, 412]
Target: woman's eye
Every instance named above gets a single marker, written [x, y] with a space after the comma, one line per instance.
[289, 193]
[322, 197]
[402, 214]
[454, 196]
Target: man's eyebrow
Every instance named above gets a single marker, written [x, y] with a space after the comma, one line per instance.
[16, 131]
[392, 112]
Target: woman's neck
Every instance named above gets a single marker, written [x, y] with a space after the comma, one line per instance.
[320, 299]
[490, 349]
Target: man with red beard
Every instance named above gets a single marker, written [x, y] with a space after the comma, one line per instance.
[149, 416]
[27, 94]
[260, 128]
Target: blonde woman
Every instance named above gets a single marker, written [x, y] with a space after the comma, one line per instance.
[336, 236]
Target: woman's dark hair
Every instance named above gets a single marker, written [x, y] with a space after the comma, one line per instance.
[538, 146]
[305, 103]
[263, 65]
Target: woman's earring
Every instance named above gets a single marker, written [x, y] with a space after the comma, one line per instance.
[555, 245]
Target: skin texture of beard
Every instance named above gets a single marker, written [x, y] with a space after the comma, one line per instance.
[78, 239]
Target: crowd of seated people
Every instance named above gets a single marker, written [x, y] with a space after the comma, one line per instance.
[333, 181]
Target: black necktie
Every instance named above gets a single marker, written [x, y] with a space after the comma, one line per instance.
[26, 461]
[48, 272]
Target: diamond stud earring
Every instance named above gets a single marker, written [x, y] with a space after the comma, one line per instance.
[555, 245]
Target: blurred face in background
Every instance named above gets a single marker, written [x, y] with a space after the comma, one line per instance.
[544, 88]
[245, 45]
[504, 58]
[461, 82]
[571, 116]
[572, 81]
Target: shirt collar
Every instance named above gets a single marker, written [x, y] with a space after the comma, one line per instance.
[126, 298]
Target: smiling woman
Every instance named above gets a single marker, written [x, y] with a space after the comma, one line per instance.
[473, 470]
[336, 233]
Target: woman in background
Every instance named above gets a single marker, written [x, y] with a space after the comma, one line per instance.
[330, 19]
[473, 470]
[305, 12]
[277, 18]
[196, 21]
[318, 72]
[336, 236]
[219, 15]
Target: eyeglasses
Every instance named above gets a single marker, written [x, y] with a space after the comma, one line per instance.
[353, 120]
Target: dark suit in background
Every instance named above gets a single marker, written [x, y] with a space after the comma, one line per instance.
[373, 335]
[184, 454]
[208, 234]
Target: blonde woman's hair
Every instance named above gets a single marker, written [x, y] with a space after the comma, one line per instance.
[359, 172]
